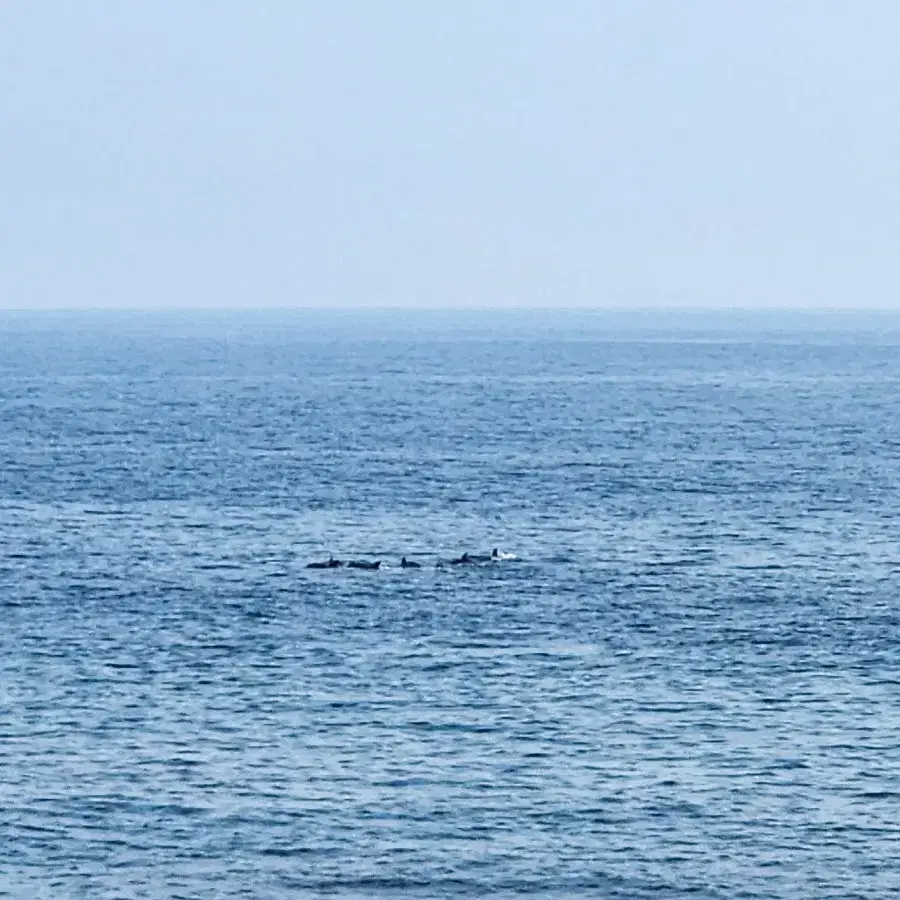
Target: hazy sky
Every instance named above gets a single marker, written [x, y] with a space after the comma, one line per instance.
[461, 153]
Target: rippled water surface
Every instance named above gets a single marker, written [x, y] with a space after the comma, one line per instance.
[687, 683]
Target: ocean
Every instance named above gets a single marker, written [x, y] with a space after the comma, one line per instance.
[682, 678]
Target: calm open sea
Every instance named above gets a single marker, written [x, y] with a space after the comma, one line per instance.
[686, 685]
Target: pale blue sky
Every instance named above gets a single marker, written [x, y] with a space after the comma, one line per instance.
[464, 153]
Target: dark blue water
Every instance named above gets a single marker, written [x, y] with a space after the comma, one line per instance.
[687, 684]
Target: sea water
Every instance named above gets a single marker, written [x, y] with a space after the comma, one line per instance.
[685, 683]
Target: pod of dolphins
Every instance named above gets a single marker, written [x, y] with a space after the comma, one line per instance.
[464, 560]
